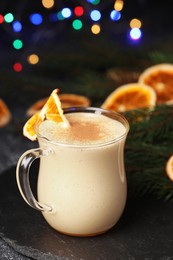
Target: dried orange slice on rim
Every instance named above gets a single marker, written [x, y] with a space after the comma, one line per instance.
[169, 167]
[29, 127]
[160, 78]
[51, 111]
[130, 96]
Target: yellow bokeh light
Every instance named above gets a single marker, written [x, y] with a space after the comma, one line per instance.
[135, 23]
[118, 5]
[48, 3]
[33, 59]
[95, 29]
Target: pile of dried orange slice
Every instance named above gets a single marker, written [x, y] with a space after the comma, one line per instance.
[52, 110]
[154, 86]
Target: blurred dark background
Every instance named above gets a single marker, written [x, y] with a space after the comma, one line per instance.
[76, 59]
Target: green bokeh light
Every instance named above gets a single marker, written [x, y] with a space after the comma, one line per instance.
[96, 2]
[17, 44]
[60, 16]
[8, 18]
[77, 24]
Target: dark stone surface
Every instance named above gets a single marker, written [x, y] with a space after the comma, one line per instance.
[143, 232]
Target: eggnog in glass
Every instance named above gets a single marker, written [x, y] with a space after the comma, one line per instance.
[82, 185]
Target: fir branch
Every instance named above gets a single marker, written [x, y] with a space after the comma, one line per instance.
[148, 147]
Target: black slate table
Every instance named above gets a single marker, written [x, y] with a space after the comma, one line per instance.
[145, 231]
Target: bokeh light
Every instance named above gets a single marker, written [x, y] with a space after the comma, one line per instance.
[66, 12]
[48, 3]
[36, 19]
[17, 44]
[77, 24]
[94, 2]
[135, 23]
[53, 17]
[135, 34]
[118, 5]
[17, 67]
[1, 18]
[17, 26]
[95, 29]
[33, 59]
[78, 10]
[95, 15]
[115, 15]
[60, 16]
[9, 18]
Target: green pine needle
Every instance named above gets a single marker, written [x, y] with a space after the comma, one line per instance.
[148, 147]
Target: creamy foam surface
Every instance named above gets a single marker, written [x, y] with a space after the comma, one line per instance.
[84, 129]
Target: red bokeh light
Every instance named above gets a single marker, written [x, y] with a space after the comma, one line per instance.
[17, 67]
[78, 11]
[1, 18]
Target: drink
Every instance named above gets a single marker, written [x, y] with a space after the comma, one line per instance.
[82, 178]
[85, 129]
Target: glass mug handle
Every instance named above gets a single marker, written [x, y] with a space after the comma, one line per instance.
[22, 176]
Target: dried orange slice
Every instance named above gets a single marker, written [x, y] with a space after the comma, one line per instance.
[67, 100]
[74, 100]
[169, 168]
[130, 96]
[160, 78]
[5, 115]
[51, 111]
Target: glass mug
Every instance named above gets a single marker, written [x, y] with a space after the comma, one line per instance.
[81, 189]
